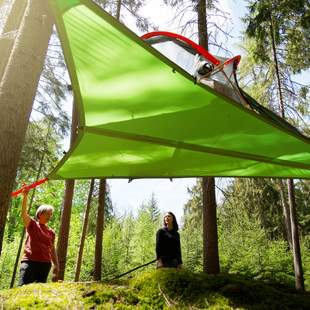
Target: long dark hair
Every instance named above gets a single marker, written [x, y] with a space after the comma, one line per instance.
[174, 222]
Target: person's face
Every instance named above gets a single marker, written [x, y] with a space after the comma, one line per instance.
[45, 216]
[168, 219]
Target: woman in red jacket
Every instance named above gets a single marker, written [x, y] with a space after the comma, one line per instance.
[39, 252]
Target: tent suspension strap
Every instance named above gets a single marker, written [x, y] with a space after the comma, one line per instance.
[123, 274]
[28, 187]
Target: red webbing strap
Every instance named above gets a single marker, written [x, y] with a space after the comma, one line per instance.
[195, 46]
[28, 187]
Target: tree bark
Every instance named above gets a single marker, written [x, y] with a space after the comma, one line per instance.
[9, 32]
[210, 240]
[210, 245]
[17, 92]
[299, 278]
[202, 24]
[63, 237]
[84, 230]
[99, 231]
[118, 10]
[286, 214]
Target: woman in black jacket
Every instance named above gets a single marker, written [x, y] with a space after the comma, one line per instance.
[168, 247]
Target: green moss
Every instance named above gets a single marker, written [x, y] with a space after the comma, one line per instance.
[158, 289]
[180, 288]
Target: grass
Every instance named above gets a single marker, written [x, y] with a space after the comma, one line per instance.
[162, 289]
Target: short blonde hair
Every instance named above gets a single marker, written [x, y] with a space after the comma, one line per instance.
[43, 209]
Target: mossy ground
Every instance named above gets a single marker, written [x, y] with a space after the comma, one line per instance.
[163, 289]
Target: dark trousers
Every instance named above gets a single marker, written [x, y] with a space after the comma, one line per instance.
[31, 271]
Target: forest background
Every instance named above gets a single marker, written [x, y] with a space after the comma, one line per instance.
[251, 226]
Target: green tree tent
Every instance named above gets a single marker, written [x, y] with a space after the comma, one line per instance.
[143, 115]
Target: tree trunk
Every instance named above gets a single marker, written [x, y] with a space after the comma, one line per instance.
[9, 32]
[84, 230]
[118, 10]
[209, 223]
[286, 214]
[299, 279]
[202, 24]
[99, 231]
[17, 92]
[63, 237]
[211, 263]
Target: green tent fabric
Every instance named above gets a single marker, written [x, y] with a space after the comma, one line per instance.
[143, 116]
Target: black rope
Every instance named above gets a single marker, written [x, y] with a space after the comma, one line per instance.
[123, 274]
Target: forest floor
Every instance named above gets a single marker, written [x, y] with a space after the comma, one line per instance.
[162, 289]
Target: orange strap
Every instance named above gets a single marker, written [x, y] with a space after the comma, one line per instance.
[28, 187]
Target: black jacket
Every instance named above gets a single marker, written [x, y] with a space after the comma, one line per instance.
[168, 245]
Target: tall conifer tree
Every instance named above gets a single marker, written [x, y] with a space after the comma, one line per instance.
[17, 91]
[276, 27]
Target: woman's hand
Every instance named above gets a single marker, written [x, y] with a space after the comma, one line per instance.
[25, 192]
[55, 273]
[160, 263]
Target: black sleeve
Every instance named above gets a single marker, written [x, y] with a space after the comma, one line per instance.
[179, 255]
[159, 244]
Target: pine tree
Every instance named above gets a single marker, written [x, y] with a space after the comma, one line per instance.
[17, 91]
[271, 24]
[152, 206]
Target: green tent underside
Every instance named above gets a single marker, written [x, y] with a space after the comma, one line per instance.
[143, 116]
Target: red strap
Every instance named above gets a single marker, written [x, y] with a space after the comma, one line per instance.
[28, 187]
[195, 46]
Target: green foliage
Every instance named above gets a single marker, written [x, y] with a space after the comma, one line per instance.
[276, 45]
[7, 261]
[113, 250]
[143, 238]
[250, 229]
[152, 207]
[245, 249]
[14, 223]
[129, 241]
[41, 144]
[288, 22]
[302, 195]
[305, 251]
[257, 198]
[193, 207]
[191, 245]
[251, 242]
